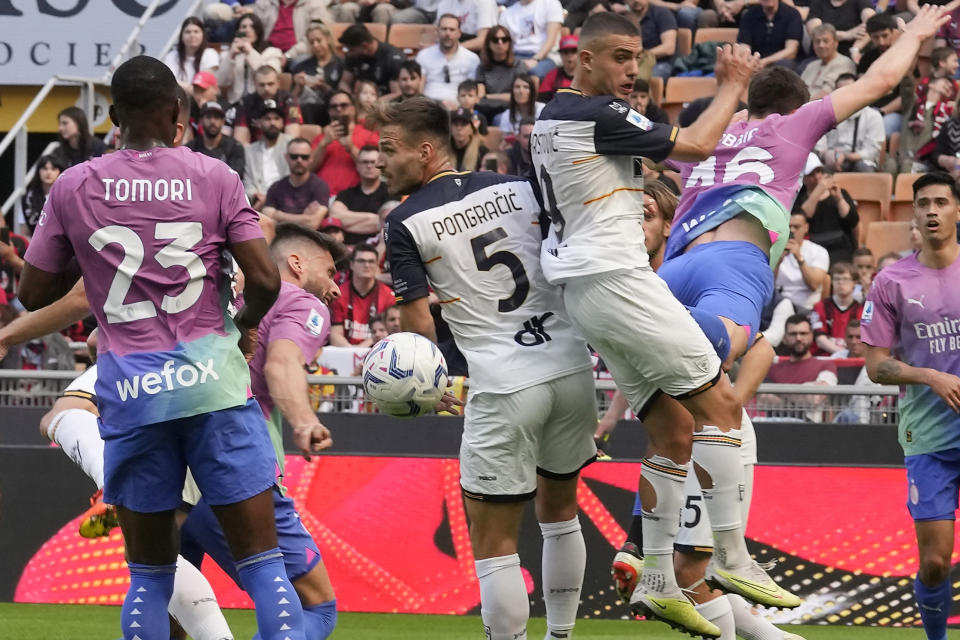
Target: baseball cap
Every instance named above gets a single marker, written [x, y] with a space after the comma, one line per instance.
[813, 163]
[569, 42]
[270, 105]
[461, 114]
[211, 106]
[204, 79]
[331, 223]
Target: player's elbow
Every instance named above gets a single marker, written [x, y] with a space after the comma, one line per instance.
[265, 281]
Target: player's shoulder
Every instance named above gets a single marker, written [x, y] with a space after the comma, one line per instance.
[449, 189]
[206, 166]
[903, 269]
[571, 104]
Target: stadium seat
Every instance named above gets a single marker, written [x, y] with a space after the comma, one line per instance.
[377, 29]
[310, 131]
[412, 37]
[885, 236]
[285, 81]
[683, 90]
[656, 90]
[337, 29]
[716, 34]
[901, 207]
[684, 40]
[872, 193]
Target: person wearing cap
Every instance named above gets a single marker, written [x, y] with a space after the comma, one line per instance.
[446, 64]
[265, 160]
[562, 76]
[244, 118]
[356, 208]
[333, 228]
[831, 211]
[476, 18]
[467, 145]
[191, 53]
[211, 141]
[205, 90]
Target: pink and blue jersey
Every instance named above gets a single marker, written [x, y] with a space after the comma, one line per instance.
[914, 311]
[757, 167]
[150, 231]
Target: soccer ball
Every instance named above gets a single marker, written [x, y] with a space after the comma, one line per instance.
[405, 375]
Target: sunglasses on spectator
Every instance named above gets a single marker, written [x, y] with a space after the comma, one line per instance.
[299, 156]
[366, 162]
[364, 261]
[500, 39]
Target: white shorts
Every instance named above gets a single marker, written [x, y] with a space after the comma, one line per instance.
[510, 438]
[695, 531]
[83, 386]
[647, 339]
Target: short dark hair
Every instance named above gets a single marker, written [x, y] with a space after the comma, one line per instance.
[846, 76]
[862, 251]
[843, 267]
[467, 85]
[881, 22]
[797, 318]
[412, 67]
[449, 15]
[361, 248]
[853, 323]
[606, 24]
[937, 177]
[940, 54]
[142, 85]
[417, 116]
[776, 89]
[641, 86]
[368, 147]
[287, 233]
[299, 140]
[356, 35]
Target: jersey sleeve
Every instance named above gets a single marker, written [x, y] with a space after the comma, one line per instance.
[622, 131]
[879, 319]
[304, 322]
[818, 319]
[240, 220]
[50, 248]
[809, 123]
[406, 266]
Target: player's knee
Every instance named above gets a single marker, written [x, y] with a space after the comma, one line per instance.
[934, 568]
[45, 423]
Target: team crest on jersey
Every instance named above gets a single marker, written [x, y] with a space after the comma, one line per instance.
[314, 323]
[619, 107]
[867, 314]
[639, 121]
[458, 181]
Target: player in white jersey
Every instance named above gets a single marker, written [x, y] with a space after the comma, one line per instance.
[474, 239]
[587, 149]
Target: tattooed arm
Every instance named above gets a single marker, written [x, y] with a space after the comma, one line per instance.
[885, 369]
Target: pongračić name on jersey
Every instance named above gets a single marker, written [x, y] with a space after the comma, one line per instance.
[502, 203]
[544, 142]
[942, 336]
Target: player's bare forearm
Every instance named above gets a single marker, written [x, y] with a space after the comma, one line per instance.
[355, 221]
[415, 316]
[287, 382]
[699, 140]
[337, 336]
[261, 281]
[812, 276]
[883, 368]
[66, 311]
[39, 288]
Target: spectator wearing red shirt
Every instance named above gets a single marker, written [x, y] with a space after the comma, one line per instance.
[11, 263]
[801, 368]
[364, 298]
[831, 315]
[560, 77]
[335, 150]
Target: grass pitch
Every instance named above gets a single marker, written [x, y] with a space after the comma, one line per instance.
[89, 622]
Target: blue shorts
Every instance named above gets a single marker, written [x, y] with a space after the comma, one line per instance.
[229, 452]
[729, 279]
[933, 483]
[201, 533]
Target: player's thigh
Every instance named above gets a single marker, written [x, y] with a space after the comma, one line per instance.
[669, 427]
[715, 404]
[566, 442]
[631, 317]
[500, 444]
[143, 466]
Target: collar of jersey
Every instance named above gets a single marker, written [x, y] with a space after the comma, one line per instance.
[445, 173]
[570, 90]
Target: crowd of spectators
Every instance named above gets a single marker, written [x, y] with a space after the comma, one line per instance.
[281, 91]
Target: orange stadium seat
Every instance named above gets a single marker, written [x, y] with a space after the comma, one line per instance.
[337, 29]
[683, 90]
[310, 131]
[285, 81]
[377, 29]
[412, 37]
[684, 40]
[901, 207]
[716, 34]
[872, 193]
[885, 236]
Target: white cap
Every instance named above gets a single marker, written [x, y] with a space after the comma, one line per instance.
[813, 163]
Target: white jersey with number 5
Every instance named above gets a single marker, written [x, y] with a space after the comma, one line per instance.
[474, 238]
[587, 152]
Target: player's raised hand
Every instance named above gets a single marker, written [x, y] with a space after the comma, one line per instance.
[311, 438]
[449, 403]
[947, 386]
[736, 64]
[248, 342]
[927, 21]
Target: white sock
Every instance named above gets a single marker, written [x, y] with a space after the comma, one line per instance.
[504, 606]
[662, 523]
[747, 493]
[77, 433]
[194, 605]
[750, 625]
[718, 453]
[718, 612]
[564, 562]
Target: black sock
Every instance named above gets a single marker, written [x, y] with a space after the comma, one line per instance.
[636, 532]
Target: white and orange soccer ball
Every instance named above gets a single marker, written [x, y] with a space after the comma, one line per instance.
[405, 375]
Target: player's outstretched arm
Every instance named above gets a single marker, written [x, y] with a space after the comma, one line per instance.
[415, 316]
[889, 69]
[735, 66]
[39, 288]
[260, 289]
[66, 311]
[287, 381]
[883, 368]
